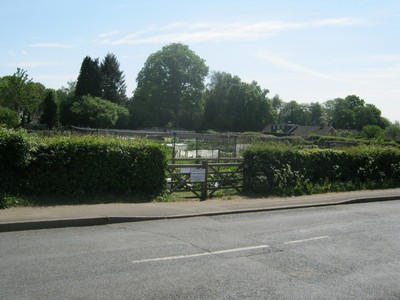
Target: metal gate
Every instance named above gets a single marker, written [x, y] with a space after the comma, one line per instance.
[204, 177]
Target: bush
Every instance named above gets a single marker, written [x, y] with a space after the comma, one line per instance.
[8, 117]
[284, 171]
[80, 165]
[97, 113]
[97, 165]
[15, 156]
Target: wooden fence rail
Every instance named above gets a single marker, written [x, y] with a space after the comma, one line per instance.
[204, 177]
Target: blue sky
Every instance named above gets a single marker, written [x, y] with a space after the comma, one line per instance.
[308, 51]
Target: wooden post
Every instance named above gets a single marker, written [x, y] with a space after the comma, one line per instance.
[235, 150]
[173, 150]
[204, 191]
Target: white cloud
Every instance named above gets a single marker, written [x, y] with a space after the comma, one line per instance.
[33, 64]
[51, 45]
[286, 64]
[108, 34]
[220, 32]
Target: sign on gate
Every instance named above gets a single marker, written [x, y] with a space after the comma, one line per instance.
[197, 175]
[206, 178]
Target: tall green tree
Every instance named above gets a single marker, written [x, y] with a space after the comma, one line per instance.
[233, 105]
[295, 113]
[113, 87]
[66, 96]
[19, 93]
[316, 113]
[169, 88]
[51, 114]
[89, 79]
[353, 113]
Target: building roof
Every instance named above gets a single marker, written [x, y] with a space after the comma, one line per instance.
[298, 130]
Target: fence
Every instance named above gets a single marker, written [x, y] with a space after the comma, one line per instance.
[204, 177]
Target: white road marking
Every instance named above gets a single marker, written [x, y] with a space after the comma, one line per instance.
[306, 240]
[200, 254]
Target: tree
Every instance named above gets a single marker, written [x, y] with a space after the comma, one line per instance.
[21, 94]
[277, 103]
[353, 113]
[368, 114]
[315, 111]
[392, 132]
[89, 79]
[50, 114]
[170, 86]
[295, 113]
[66, 96]
[96, 112]
[113, 87]
[233, 105]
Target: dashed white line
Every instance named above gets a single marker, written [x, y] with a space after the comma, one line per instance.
[306, 240]
[200, 254]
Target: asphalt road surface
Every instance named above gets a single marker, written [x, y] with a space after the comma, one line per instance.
[337, 252]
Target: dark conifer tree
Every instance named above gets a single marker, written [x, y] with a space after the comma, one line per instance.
[89, 79]
[113, 87]
[50, 114]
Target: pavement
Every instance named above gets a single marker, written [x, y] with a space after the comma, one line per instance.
[30, 218]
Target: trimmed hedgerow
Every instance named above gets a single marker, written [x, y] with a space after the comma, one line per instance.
[97, 165]
[79, 165]
[15, 156]
[283, 171]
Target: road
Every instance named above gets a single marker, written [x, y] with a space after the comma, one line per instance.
[337, 252]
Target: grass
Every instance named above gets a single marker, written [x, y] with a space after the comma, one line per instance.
[32, 201]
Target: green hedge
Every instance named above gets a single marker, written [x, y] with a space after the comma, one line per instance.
[81, 165]
[15, 155]
[284, 171]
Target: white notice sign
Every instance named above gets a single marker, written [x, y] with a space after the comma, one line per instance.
[185, 170]
[197, 175]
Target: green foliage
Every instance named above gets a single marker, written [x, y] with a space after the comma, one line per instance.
[294, 113]
[79, 165]
[95, 165]
[392, 132]
[352, 113]
[19, 93]
[284, 171]
[169, 89]
[372, 132]
[89, 79]
[96, 112]
[15, 156]
[113, 87]
[51, 115]
[8, 117]
[233, 105]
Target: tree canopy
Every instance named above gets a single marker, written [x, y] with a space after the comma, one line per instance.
[113, 87]
[97, 112]
[171, 93]
[89, 79]
[169, 88]
[233, 105]
[22, 95]
[352, 113]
